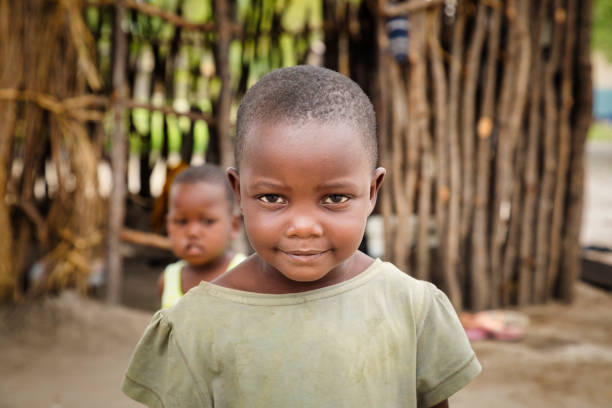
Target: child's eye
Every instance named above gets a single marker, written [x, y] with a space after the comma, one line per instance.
[207, 221]
[335, 199]
[271, 199]
[179, 221]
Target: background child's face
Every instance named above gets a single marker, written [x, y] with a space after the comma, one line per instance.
[200, 222]
[305, 194]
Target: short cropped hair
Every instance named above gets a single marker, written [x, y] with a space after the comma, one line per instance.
[303, 94]
[208, 173]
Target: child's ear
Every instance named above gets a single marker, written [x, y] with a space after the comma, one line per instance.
[377, 179]
[236, 225]
[234, 180]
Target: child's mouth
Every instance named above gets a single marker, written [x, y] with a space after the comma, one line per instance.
[305, 256]
[193, 249]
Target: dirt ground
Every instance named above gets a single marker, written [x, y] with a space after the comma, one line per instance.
[71, 352]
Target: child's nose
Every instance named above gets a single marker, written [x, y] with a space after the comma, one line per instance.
[194, 228]
[304, 226]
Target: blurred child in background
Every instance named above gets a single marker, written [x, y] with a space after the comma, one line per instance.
[201, 223]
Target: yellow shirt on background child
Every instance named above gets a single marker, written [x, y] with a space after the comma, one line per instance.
[221, 347]
[173, 283]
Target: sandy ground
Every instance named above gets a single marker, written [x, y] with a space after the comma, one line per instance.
[66, 352]
[71, 352]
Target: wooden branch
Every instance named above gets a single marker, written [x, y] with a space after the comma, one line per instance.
[550, 165]
[56, 150]
[396, 100]
[500, 210]
[480, 280]
[225, 98]
[508, 192]
[145, 238]
[10, 75]
[452, 248]
[439, 113]
[421, 118]
[172, 18]
[75, 107]
[33, 155]
[83, 43]
[382, 101]
[530, 176]
[407, 7]
[468, 132]
[398, 139]
[582, 119]
[42, 229]
[519, 140]
[118, 160]
[564, 148]
[166, 110]
[412, 140]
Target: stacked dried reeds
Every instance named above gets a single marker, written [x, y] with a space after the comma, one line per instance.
[47, 115]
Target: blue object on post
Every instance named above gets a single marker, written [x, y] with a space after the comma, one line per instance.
[398, 30]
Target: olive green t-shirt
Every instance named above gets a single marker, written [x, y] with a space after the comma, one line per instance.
[380, 339]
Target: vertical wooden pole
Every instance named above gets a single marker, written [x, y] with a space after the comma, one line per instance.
[382, 117]
[530, 176]
[570, 264]
[500, 209]
[225, 97]
[439, 92]
[118, 160]
[9, 76]
[510, 172]
[422, 119]
[550, 158]
[399, 107]
[451, 260]
[563, 155]
[468, 132]
[412, 157]
[511, 115]
[480, 281]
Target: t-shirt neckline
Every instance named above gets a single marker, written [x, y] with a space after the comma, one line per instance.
[255, 298]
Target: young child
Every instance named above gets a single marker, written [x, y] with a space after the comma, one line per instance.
[201, 224]
[308, 320]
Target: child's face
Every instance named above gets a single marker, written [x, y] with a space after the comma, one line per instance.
[305, 194]
[200, 223]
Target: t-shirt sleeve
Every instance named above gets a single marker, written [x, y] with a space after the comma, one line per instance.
[158, 374]
[445, 360]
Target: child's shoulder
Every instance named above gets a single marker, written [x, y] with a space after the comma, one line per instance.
[175, 267]
[403, 283]
[416, 300]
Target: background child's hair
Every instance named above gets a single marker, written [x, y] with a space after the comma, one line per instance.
[302, 94]
[208, 173]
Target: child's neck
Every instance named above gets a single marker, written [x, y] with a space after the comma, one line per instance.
[255, 275]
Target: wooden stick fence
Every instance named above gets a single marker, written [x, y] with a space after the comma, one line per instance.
[482, 130]
[495, 127]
